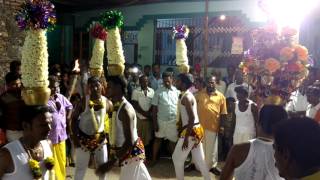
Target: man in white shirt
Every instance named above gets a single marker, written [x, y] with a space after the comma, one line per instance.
[239, 81]
[141, 101]
[297, 105]
[220, 85]
[313, 94]
[156, 79]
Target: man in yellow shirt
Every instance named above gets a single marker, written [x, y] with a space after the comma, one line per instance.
[211, 109]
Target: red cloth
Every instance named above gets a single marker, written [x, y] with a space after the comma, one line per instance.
[3, 138]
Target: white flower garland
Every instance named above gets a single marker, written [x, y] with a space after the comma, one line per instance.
[34, 63]
[181, 52]
[114, 47]
[96, 61]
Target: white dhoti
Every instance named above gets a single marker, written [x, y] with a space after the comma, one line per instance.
[82, 161]
[210, 143]
[179, 157]
[135, 170]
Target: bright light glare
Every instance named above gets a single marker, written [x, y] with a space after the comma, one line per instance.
[222, 17]
[290, 12]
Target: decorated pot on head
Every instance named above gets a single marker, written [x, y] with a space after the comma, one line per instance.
[34, 62]
[99, 34]
[113, 21]
[180, 34]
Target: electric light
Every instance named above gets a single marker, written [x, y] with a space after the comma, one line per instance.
[288, 12]
[222, 17]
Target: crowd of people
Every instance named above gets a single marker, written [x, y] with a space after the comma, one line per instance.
[184, 116]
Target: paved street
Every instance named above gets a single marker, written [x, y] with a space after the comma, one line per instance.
[163, 170]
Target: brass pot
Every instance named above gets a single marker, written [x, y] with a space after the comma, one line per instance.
[184, 68]
[96, 72]
[115, 69]
[36, 95]
[273, 100]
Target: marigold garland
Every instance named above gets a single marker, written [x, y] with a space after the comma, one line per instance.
[36, 169]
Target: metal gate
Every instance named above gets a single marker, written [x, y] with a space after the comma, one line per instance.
[221, 36]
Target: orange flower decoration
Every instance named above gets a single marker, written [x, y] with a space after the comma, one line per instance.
[272, 65]
[288, 31]
[286, 53]
[302, 53]
[294, 67]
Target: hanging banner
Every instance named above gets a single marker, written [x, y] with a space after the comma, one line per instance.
[237, 45]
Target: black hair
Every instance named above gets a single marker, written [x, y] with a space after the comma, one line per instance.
[119, 80]
[14, 65]
[191, 70]
[209, 78]
[147, 66]
[155, 64]
[186, 79]
[269, 116]
[142, 76]
[167, 74]
[301, 137]
[93, 80]
[170, 69]
[242, 90]
[314, 90]
[11, 76]
[28, 113]
[201, 81]
[53, 78]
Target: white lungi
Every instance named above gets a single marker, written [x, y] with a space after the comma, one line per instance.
[82, 161]
[135, 170]
[179, 156]
[210, 144]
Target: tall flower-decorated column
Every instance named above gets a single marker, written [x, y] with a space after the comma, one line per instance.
[96, 63]
[181, 34]
[276, 65]
[113, 21]
[35, 17]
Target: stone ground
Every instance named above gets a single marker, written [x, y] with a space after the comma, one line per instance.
[163, 170]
